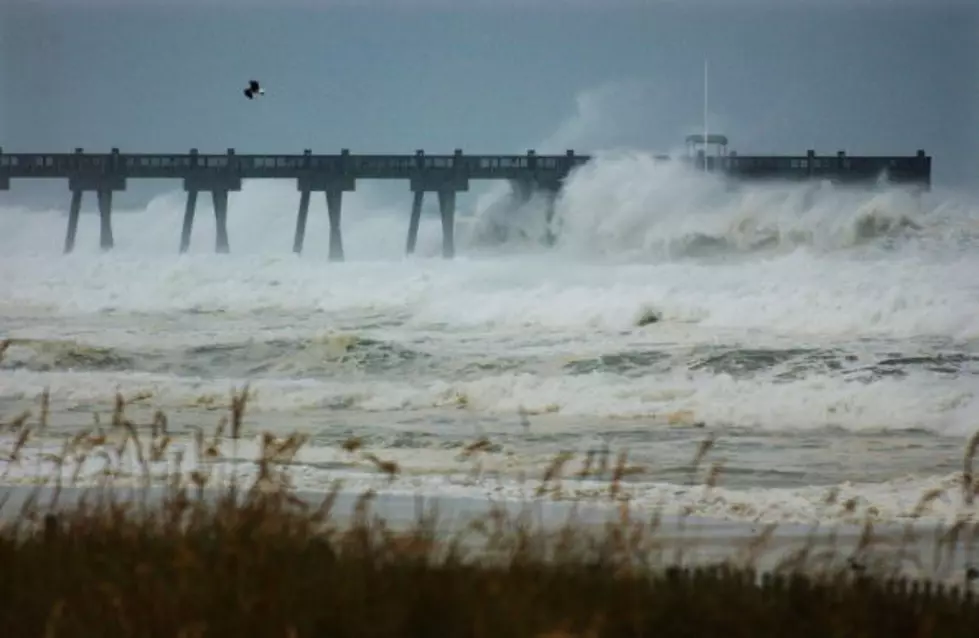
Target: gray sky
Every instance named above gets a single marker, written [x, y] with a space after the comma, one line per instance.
[871, 77]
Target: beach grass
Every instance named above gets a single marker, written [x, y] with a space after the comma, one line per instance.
[253, 559]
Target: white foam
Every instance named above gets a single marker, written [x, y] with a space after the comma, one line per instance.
[628, 202]
[814, 402]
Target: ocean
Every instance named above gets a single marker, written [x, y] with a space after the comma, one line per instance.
[826, 337]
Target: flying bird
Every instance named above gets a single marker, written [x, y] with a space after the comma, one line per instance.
[253, 89]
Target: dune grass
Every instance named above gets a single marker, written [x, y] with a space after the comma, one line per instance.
[256, 560]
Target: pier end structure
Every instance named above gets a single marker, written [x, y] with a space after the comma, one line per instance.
[839, 168]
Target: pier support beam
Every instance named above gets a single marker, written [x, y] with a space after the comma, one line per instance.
[103, 185]
[416, 216]
[334, 203]
[220, 198]
[447, 212]
[106, 241]
[300, 238]
[447, 179]
[188, 225]
[447, 207]
[334, 186]
[73, 214]
[219, 183]
[550, 191]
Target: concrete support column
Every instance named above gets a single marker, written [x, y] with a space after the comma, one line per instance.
[297, 243]
[447, 207]
[73, 214]
[334, 202]
[105, 219]
[416, 215]
[188, 227]
[221, 220]
[550, 200]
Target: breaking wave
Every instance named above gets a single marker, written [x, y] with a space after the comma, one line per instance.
[629, 205]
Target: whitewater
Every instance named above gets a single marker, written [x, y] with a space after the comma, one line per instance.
[828, 337]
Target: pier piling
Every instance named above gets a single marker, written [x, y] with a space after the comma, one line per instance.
[220, 197]
[447, 208]
[549, 192]
[416, 215]
[334, 203]
[188, 225]
[106, 241]
[300, 238]
[73, 214]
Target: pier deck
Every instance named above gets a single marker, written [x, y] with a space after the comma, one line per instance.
[446, 175]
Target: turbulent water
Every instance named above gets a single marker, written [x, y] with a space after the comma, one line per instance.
[827, 337]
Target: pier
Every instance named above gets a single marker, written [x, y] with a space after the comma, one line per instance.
[444, 175]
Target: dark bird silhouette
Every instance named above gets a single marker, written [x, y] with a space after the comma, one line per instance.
[253, 89]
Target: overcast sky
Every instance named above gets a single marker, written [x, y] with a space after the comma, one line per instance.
[869, 76]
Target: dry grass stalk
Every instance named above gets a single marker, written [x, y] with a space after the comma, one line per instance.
[553, 471]
[586, 469]
[219, 430]
[239, 402]
[702, 450]
[603, 457]
[159, 425]
[130, 428]
[622, 470]
[713, 478]
[925, 501]
[118, 412]
[389, 468]
[352, 444]
[285, 451]
[17, 423]
[481, 445]
[968, 479]
[45, 407]
[158, 448]
[19, 443]
[757, 544]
